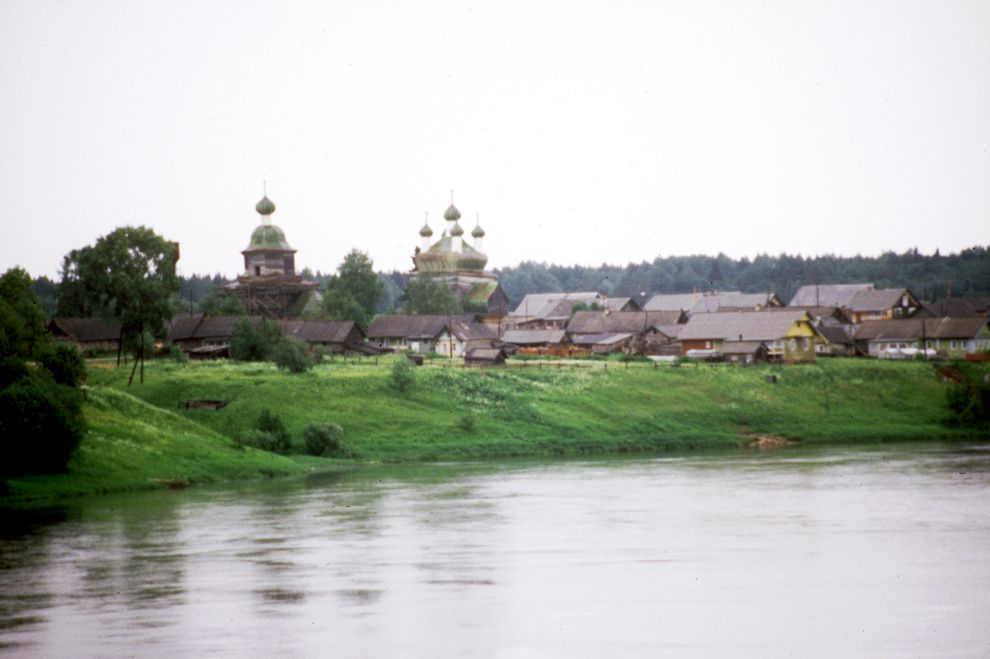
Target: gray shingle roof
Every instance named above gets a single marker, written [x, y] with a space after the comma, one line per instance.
[604, 339]
[826, 295]
[85, 329]
[876, 299]
[533, 337]
[912, 329]
[413, 326]
[741, 325]
[596, 322]
[709, 302]
[552, 306]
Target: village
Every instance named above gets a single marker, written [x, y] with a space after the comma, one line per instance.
[820, 320]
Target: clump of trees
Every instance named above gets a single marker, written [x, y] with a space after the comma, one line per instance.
[263, 341]
[426, 295]
[127, 276]
[41, 420]
[355, 291]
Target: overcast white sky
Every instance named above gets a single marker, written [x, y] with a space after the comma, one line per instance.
[583, 132]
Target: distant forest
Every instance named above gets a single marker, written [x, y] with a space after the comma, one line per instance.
[928, 276]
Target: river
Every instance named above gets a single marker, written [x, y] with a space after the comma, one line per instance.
[845, 551]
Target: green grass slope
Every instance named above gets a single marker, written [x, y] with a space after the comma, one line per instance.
[552, 410]
[132, 445]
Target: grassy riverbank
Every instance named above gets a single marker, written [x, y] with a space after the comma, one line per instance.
[131, 445]
[141, 435]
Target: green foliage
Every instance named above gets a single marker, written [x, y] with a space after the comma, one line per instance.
[468, 422]
[355, 291]
[292, 354]
[969, 396]
[323, 439]
[40, 425]
[217, 303]
[270, 430]
[403, 375]
[65, 364]
[426, 295]
[926, 275]
[585, 306]
[128, 275]
[254, 343]
[22, 320]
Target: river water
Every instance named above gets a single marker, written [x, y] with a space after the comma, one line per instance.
[873, 552]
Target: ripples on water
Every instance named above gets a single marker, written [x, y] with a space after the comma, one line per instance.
[846, 552]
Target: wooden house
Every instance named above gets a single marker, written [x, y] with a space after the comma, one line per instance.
[643, 326]
[485, 357]
[955, 338]
[549, 310]
[538, 342]
[449, 335]
[606, 343]
[710, 302]
[89, 335]
[202, 336]
[788, 335]
[960, 307]
[745, 352]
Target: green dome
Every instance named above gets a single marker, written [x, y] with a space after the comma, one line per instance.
[457, 230]
[452, 214]
[478, 232]
[265, 206]
[268, 236]
[426, 231]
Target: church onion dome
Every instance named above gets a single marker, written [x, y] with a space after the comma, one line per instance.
[452, 214]
[268, 236]
[456, 230]
[426, 231]
[265, 206]
[478, 232]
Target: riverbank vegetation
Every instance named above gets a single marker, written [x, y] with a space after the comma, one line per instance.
[448, 413]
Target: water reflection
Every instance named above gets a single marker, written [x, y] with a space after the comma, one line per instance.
[854, 551]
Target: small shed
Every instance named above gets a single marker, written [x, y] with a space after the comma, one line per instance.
[745, 352]
[485, 357]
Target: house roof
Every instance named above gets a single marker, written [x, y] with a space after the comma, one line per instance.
[533, 337]
[596, 322]
[836, 334]
[322, 331]
[415, 326]
[85, 329]
[826, 313]
[472, 331]
[552, 306]
[878, 299]
[673, 331]
[618, 303]
[959, 307]
[916, 328]
[742, 347]
[826, 295]
[603, 339]
[709, 302]
[741, 325]
[485, 354]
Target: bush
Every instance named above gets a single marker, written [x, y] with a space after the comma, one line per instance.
[65, 363]
[969, 397]
[323, 439]
[403, 375]
[468, 422]
[254, 344]
[292, 354]
[271, 424]
[265, 441]
[40, 425]
[177, 354]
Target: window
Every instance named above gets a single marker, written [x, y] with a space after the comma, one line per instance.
[806, 344]
[952, 344]
[708, 345]
[792, 344]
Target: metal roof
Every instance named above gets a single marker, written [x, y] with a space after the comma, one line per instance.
[826, 295]
[741, 325]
